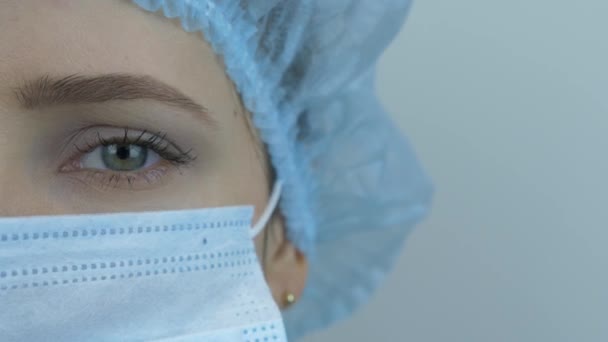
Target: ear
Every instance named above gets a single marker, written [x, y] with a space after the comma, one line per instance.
[285, 267]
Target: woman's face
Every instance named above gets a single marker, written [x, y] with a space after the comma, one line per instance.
[107, 108]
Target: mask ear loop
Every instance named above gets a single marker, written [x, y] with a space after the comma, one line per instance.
[272, 204]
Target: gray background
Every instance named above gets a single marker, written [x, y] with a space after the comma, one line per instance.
[506, 104]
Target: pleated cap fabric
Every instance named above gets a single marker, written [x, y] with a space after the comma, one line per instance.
[353, 186]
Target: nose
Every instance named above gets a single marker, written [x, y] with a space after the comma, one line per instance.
[13, 193]
[19, 194]
[16, 185]
[23, 178]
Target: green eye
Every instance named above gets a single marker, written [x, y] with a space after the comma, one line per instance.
[127, 157]
[120, 158]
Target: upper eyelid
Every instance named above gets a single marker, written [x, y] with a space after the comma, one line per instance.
[160, 138]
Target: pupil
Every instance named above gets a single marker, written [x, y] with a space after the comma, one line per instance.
[123, 152]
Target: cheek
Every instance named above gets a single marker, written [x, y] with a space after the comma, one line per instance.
[265, 247]
[244, 164]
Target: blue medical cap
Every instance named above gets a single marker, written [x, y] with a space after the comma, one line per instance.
[353, 186]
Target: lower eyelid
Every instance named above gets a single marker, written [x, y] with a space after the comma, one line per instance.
[140, 180]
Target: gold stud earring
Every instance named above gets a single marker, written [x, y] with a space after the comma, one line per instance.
[290, 299]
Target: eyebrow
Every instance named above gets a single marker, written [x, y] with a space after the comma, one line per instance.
[77, 89]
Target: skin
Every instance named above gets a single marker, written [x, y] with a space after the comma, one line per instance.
[42, 173]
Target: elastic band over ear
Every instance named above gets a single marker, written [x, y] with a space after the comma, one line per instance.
[272, 204]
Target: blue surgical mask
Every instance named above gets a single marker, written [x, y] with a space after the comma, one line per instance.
[183, 275]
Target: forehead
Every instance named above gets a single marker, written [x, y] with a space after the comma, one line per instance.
[89, 36]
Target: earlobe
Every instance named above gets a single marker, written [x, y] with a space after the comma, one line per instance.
[294, 275]
[286, 266]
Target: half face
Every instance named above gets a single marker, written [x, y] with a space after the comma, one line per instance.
[107, 108]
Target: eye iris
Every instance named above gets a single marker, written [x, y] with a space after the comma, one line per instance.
[126, 157]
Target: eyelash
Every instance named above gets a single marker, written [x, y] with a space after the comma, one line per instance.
[155, 142]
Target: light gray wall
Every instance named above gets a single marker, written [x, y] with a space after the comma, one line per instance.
[506, 103]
